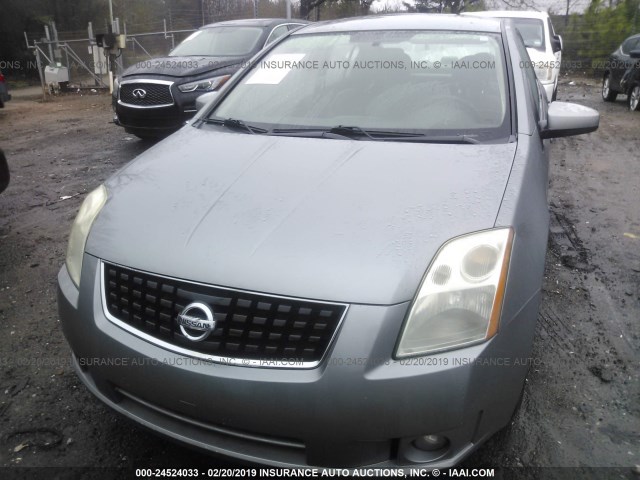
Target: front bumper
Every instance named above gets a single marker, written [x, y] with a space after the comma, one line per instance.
[156, 121]
[152, 122]
[359, 407]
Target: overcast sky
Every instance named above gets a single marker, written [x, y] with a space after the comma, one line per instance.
[557, 6]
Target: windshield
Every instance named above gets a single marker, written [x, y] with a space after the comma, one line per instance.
[219, 41]
[436, 82]
[532, 31]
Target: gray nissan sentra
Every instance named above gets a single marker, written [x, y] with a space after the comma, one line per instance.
[339, 261]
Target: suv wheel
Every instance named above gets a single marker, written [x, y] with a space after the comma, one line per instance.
[634, 98]
[608, 95]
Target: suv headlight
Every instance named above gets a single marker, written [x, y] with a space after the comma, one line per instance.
[88, 212]
[460, 298]
[206, 85]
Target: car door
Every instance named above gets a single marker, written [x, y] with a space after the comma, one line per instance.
[621, 61]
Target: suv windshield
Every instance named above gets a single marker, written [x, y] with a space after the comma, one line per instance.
[532, 31]
[219, 41]
[435, 83]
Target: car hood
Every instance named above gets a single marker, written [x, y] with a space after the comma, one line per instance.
[341, 220]
[180, 66]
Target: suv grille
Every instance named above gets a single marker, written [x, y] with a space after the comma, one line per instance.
[146, 94]
[257, 329]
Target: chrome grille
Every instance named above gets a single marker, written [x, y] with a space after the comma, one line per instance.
[146, 94]
[252, 329]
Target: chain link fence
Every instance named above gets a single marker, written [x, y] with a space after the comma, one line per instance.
[84, 64]
[585, 49]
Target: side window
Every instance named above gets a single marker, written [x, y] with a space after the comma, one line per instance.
[629, 44]
[552, 32]
[276, 33]
[295, 26]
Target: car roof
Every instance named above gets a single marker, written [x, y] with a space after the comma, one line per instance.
[406, 21]
[509, 14]
[255, 22]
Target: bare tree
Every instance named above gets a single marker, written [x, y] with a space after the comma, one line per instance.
[365, 6]
[521, 4]
[570, 4]
[306, 6]
[227, 9]
[440, 6]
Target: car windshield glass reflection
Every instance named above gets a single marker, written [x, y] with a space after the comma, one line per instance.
[219, 41]
[430, 83]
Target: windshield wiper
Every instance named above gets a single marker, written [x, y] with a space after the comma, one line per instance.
[445, 139]
[344, 131]
[235, 124]
[353, 132]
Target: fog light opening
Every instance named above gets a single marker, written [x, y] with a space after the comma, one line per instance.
[431, 443]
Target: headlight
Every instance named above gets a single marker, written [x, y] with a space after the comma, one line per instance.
[460, 298]
[80, 231]
[207, 85]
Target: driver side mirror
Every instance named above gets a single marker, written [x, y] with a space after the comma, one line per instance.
[556, 43]
[567, 119]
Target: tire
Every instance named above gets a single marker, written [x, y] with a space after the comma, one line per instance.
[555, 94]
[634, 98]
[608, 95]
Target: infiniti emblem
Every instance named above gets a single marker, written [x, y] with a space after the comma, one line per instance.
[139, 93]
[196, 321]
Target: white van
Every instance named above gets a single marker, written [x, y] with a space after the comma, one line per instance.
[543, 45]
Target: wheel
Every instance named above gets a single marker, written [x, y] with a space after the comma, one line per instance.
[634, 98]
[554, 96]
[608, 95]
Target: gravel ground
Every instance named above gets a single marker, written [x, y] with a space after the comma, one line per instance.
[581, 404]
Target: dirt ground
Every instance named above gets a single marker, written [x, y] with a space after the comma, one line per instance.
[581, 406]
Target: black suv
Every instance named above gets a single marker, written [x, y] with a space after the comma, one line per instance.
[622, 73]
[156, 97]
